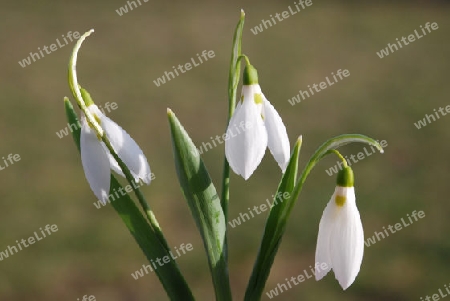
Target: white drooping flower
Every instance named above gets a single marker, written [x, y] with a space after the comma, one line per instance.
[97, 161]
[340, 242]
[264, 128]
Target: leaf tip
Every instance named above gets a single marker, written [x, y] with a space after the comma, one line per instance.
[299, 141]
[379, 147]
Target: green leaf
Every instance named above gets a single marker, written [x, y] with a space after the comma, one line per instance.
[333, 143]
[235, 71]
[168, 274]
[235, 64]
[204, 203]
[73, 120]
[274, 229]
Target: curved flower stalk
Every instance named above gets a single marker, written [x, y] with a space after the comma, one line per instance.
[263, 128]
[97, 160]
[340, 242]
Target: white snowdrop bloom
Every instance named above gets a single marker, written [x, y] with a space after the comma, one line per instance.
[340, 242]
[264, 128]
[97, 161]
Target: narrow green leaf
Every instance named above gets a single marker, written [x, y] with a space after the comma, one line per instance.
[235, 61]
[235, 72]
[274, 229]
[168, 274]
[204, 203]
[73, 120]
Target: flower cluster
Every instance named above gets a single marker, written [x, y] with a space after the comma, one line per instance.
[340, 241]
[106, 147]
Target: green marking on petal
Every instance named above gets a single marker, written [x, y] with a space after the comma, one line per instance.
[340, 200]
[258, 98]
[97, 119]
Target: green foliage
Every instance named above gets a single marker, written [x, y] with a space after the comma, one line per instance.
[204, 203]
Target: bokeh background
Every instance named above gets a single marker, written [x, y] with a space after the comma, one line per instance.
[93, 254]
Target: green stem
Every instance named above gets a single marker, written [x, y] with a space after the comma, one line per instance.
[142, 201]
[247, 60]
[327, 148]
[337, 153]
[233, 81]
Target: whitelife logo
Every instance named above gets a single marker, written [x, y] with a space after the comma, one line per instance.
[87, 298]
[206, 146]
[302, 95]
[187, 66]
[430, 118]
[130, 4]
[296, 280]
[122, 191]
[281, 17]
[49, 49]
[361, 155]
[161, 261]
[11, 250]
[437, 297]
[411, 38]
[10, 160]
[415, 216]
[71, 127]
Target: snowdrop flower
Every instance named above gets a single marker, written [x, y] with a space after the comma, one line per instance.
[264, 128]
[340, 242]
[97, 160]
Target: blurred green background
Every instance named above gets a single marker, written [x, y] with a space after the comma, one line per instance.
[93, 254]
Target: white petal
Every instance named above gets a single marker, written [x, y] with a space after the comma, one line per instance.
[347, 239]
[126, 148]
[278, 139]
[112, 162]
[323, 241]
[95, 162]
[246, 136]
